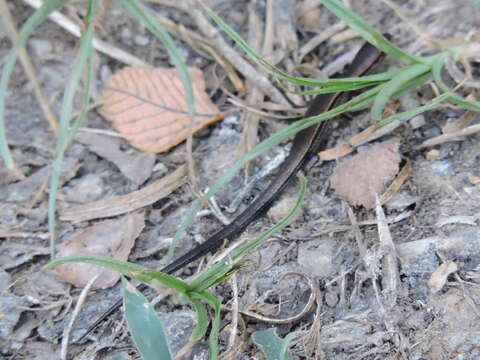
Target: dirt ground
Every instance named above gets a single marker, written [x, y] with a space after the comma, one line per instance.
[433, 311]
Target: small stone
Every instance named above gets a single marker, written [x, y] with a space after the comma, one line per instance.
[401, 200]
[432, 155]
[85, 189]
[159, 169]
[4, 280]
[282, 208]
[417, 122]
[316, 257]
[331, 299]
[126, 33]
[141, 40]
[474, 180]
[40, 47]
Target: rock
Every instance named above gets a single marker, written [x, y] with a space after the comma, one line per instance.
[4, 280]
[316, 257]
[179, 326]
[40, 47]
[401, 200]
[141, 40]
[282, 208]
[9, 313]
[86, 189]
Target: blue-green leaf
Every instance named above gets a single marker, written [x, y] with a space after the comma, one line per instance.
[273, 347]
[144, 325]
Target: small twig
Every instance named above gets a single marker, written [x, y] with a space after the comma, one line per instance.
[76, 312]
[28, 66]
[318, 39]
[455, 136]
[234, 313]
[390, 277]
[397, 183]
[254, 109]
[251, 121]
[98, 44]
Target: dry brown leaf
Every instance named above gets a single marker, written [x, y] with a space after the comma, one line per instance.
[148, 106]
[359, 178]
[112, 238]
[439, 277]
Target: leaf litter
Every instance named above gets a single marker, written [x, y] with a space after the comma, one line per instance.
[148, 107]
[113, 238]
[358, 179]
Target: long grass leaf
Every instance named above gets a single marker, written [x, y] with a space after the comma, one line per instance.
[82, 58]
[219, 270]
[368, 32]
[421, 109]
[38, 17]
[392, 87]
[131, 270]
[213, 337]
[280, 74]
[359, 101]
[202, 320]
[437, 68]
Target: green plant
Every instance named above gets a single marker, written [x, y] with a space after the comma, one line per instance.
[194, 292]
[415, 71]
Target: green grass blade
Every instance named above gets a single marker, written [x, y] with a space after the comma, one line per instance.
[437, 67]
[359, 101]
[368, 32]
[213, 337]
[393, 86]
[409, 114]
[202, 320]
[272, 346]
[81, 60]
[280, 73]
[218, 271]
[142, 14]
[145, 326]
[131, 270]
[38, 17]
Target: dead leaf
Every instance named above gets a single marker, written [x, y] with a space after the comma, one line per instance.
[439, 277]
[112, 238]
[359, 178]
[148, 106]
[136, 167]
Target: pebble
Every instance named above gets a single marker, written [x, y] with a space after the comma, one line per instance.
[85, 189]
[331, 299]
[141, 40]
[316, 257]
[40, 47]
[126, 33]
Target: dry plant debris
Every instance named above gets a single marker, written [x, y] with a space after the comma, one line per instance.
[148, 107]
[358, 179]
[121, 204]
[439, 277]
[113, 238]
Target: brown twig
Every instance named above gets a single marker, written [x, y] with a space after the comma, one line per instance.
[28, 66]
